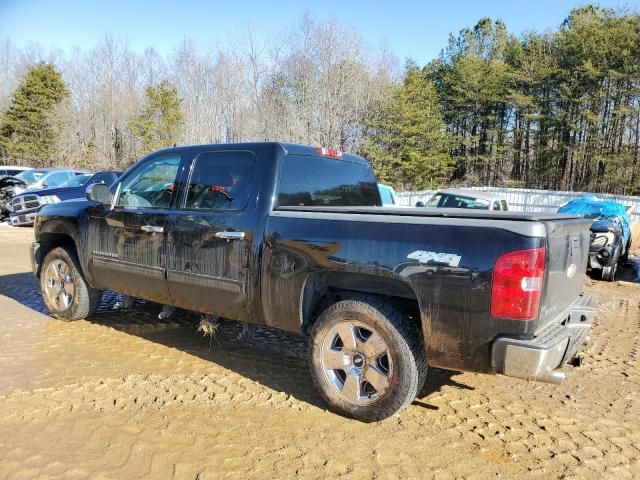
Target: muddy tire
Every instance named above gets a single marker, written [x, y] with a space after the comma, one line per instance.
[64, 289]
[366, 358]
[609, 272]
[625, 256]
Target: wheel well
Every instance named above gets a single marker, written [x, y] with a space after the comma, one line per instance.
[49, 241]
[324, 289]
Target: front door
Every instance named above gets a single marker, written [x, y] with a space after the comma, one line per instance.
[210, 233]
[127, 243]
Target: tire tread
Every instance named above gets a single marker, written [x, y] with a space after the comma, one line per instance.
[403, 330]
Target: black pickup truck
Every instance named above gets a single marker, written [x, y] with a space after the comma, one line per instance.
[295, 237]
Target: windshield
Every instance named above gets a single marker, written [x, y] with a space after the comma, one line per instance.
[30, 176]
[445, 200]
[76, 181]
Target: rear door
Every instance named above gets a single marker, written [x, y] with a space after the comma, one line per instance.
[127, 244]
[210, 234]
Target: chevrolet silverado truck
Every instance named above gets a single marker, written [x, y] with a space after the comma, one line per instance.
[295, 238]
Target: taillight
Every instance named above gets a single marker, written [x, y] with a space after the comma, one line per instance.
[329, 152]
[517, 284]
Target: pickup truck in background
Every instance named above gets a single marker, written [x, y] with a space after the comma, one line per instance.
[295, 237]
[25, 207]
[31, 179]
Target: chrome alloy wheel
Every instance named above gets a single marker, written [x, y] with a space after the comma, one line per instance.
[59, 284]
[357, 362]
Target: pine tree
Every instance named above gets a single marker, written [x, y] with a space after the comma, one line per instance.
[27, 133]
[158, 125]
[408, 143]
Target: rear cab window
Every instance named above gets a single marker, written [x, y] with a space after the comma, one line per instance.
[307, 181]
[104, 177]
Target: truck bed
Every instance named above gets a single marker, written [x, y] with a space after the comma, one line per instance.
[377, 242]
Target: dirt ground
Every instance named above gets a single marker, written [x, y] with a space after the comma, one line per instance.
[128, 396]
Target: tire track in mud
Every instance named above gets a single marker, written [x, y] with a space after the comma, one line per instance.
[615, 338]
[139, 393]
[128, 396]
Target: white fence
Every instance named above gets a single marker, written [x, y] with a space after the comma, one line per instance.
[527, 200]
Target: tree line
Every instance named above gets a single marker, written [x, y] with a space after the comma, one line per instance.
[552, 110]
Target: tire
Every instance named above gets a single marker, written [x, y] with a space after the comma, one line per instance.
[366, 358]
[609, 272]
[625, 255]
[65, 292]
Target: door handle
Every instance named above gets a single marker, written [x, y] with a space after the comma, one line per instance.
[230, 235]
[152, 229]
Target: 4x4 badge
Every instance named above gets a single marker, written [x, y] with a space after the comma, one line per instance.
[450, 259]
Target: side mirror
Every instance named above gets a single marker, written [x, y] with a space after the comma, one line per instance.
[99, 193]
[419, 204]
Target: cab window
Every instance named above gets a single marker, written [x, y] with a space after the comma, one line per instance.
[57, 179]
[434, 201]
[460, 201]
[323, 182]
[220, 181]
[151, 184]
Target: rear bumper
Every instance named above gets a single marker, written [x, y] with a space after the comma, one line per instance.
[541, 357]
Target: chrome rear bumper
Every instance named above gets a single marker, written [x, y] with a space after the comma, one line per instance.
[541, 357]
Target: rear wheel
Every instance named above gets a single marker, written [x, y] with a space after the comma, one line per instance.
[64, 289]
[366, 359]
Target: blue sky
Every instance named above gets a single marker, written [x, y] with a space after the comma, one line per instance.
[410, 28]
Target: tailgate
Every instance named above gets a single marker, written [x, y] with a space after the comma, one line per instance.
[567, 252]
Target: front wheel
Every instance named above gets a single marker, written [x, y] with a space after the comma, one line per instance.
[609, 272]
[64, 289]
[625, 256]
[366, 359]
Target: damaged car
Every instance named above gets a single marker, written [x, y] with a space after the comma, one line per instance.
[8, 186]
[25, 206]
[31, 180]
[610, 233]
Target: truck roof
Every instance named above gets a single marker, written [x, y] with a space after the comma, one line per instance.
[483, 195]
[287, 149]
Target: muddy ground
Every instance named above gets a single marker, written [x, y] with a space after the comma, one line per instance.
[127, 396]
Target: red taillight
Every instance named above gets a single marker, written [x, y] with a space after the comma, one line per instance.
[517, 284]
[329, 152]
